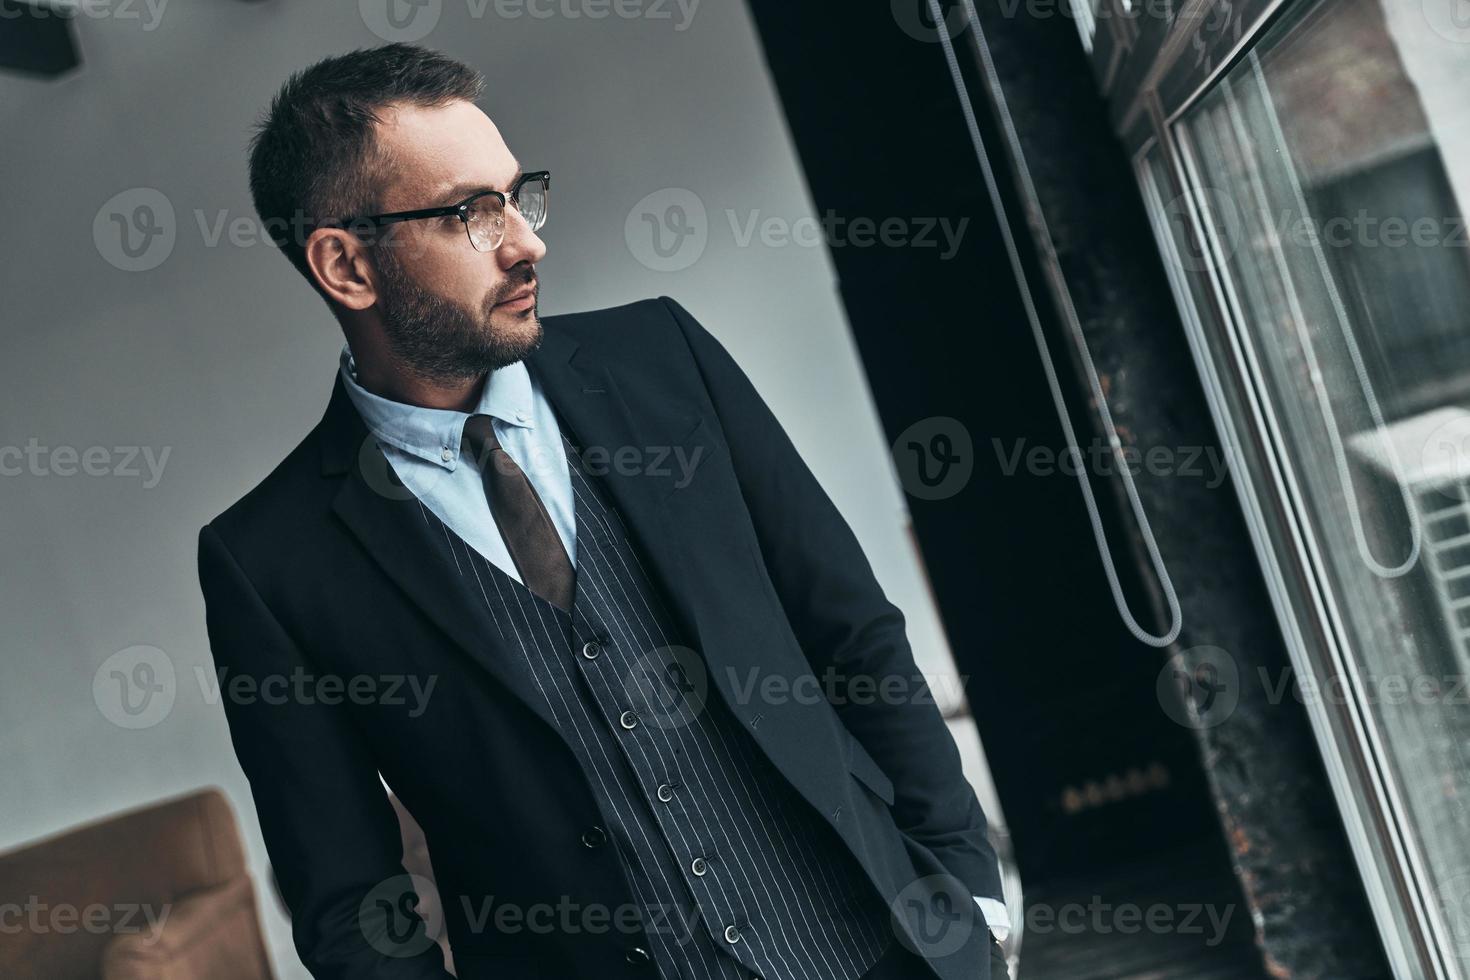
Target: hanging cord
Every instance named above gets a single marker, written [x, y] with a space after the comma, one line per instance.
[1319, 386]
[1176, 618]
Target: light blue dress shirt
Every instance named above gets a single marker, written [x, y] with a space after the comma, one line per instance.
[423, 446]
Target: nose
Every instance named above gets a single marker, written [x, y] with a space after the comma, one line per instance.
[521, 244]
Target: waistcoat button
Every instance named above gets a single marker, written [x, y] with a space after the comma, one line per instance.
[594, 837]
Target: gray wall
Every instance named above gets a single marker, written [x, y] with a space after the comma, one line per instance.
[219, 356]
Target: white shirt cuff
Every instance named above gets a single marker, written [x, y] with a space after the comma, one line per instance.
[996, 917]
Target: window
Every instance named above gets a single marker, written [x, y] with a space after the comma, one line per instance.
[1331, 162]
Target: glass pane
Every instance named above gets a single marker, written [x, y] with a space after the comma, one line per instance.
[1334, 159]
[1084, 12]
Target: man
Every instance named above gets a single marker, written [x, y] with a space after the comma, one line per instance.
[561, 586]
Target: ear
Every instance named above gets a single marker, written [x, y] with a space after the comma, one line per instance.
[339, 262]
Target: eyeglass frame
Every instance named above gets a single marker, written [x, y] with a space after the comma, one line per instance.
[460, 210]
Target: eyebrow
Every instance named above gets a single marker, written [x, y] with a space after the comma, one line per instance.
[459, 192]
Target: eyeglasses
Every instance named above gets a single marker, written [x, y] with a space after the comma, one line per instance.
[482, 213]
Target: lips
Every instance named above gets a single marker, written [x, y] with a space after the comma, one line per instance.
[527, 293]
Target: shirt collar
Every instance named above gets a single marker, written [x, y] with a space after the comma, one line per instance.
[432, 434]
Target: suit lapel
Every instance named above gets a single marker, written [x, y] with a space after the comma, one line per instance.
[589, 396]
[391, 524]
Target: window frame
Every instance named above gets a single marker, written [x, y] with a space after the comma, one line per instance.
[1168, 71]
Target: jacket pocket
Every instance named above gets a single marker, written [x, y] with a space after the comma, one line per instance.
[867, 771]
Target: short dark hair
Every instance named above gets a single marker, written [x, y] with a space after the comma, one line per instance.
[314, 157]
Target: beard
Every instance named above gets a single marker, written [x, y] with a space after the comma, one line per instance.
[443, 342]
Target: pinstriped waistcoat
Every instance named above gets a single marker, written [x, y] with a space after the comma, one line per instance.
[734, 874]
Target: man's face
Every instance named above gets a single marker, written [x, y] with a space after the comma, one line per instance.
[451, 312]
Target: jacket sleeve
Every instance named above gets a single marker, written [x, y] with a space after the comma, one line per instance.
[330, 831]
[846, 626]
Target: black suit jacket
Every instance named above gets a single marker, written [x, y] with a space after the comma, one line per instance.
[322, 574]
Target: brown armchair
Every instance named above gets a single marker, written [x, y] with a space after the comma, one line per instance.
[160, 893]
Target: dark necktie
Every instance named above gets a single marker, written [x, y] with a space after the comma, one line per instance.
[525, 526]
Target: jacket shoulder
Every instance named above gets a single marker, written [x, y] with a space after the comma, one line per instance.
[288, 486]
[656, 315]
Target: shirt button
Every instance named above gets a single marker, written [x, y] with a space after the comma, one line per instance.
[594, 837]
[446, 454]
[522, 416]
[665, 793]
[732, 935]
[699, 867]
[628, 720]
[591, 649]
